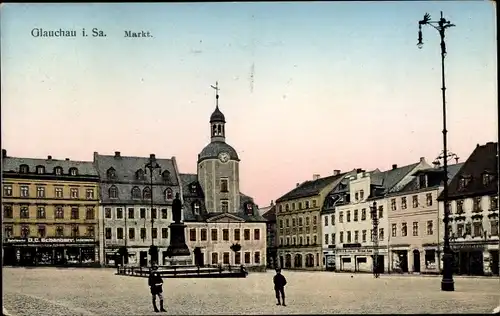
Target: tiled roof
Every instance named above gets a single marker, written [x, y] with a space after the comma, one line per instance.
[11, 164]
[413, 184]
[126, 168]
[310, 188]
[388, 179]
[213, 149]
[483, 159]
[270, 215]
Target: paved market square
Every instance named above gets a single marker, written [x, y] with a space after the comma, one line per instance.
[80, 291]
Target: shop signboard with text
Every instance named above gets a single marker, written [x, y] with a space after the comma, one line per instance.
[49, 240]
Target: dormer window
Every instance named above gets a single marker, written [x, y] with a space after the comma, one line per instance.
[486, 179]
[136, 193]
[111, 173]
[166, 176]
[139, 174]
[196, 207]
[463, 182]
[422, 181]
[40, 169]
[192, 188]
[146, 193]
[249, 208]
[361, 194]
[113, 192]
[58, 171]
[73, 171]
[24, 169]
[168, 194]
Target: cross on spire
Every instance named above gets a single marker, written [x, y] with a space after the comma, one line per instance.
[216, 88]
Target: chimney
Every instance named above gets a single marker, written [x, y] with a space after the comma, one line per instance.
[297, 185]
[117, 154]
[49, 157]
[4, 153]
[315, 176]
[394, 166]
[152, 156]
[422, 159]
[272, 202]
[359, 170]
[67, 159]
[336, 172]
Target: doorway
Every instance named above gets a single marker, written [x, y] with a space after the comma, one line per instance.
[143, 258]
[416, 261]
[198, 257]
[403, 261]
[494, 262]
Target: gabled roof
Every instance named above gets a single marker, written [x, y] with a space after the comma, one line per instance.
[12, 164]
[389, 178]
[482, 160]
[270, 215]
[310, 188]
[413, 185]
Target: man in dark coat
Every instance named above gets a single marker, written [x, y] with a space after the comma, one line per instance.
[279, 286]
[155, 284]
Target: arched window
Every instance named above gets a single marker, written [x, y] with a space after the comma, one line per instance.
[40, 169]
[24, 169]
[111, 173]
[168, 194]
[139, 174]
[73, 171]
[113, 192]
[166, 176]
[196, 207]
[136, 193]
[58, 171]
[146, 193]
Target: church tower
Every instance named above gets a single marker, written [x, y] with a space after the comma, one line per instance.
[218, 167]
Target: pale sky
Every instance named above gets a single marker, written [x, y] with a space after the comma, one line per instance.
[306, 88]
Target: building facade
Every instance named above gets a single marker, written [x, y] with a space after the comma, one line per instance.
[128, 218]
[50, 211]
[414, 239]
[298, 217]
[473, 200]
[272, 238]
[223, 225]
[354, 224]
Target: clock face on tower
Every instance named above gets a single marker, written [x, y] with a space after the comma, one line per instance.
[224, 157]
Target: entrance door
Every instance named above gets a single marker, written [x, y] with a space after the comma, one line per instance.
[494, 262]
[281, 261]
[403, 261]
[416, 261]
[198, 257]
[143, 259]
[476, 263]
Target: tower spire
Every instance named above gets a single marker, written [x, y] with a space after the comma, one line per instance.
[216, 88]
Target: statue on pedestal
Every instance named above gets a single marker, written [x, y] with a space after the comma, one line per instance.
[178, 245]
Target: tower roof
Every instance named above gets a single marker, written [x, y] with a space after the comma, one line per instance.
[217, 116]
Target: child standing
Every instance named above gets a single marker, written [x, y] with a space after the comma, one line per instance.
[279, 286]
[155, 283]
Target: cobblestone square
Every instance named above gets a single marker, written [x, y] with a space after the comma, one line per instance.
[76, 291]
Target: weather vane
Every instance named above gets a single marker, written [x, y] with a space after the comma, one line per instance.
[216, 88]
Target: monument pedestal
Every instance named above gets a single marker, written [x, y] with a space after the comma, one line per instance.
[178, 252]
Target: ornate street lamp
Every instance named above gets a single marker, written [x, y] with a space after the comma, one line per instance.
[373, 210]
[447, 283]
[151, 166]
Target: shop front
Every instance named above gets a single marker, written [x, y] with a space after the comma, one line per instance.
[50, 251]
[359, 259]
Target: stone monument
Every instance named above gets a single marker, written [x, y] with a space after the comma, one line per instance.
[178, 252]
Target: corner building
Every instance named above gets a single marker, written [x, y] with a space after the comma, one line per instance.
[50, 211]
[216, 213]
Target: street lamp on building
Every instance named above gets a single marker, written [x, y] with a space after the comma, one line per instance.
[447, 283]
[373, 211]
[151, 166]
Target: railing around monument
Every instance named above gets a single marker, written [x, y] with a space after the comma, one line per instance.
[180, 270]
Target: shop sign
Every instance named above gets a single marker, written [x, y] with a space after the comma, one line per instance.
[351, 251]
[49, 240]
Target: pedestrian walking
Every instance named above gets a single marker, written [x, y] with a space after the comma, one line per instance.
[156, 285]
[279, 286]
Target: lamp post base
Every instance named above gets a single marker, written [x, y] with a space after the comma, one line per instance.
[447, 283]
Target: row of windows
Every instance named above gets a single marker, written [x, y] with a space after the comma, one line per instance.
[299, 206]
[108, 231]
[356, 216]
[193, 236]
[414, 199]
[474, 229]
[41, 231]
[476, 204]
[415, 229]
[137, 194]
[24, 191]
[41, 212]
[41, 170]
[298, 221]
[292, 241]
[236, 258]
[354, 236]
[139, 175]
[119, 213]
